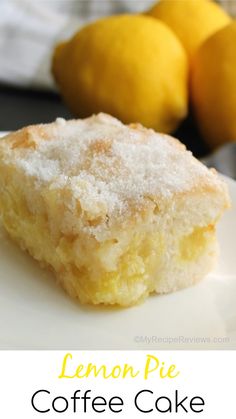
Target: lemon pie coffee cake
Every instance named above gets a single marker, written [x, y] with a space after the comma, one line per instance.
[118, 212]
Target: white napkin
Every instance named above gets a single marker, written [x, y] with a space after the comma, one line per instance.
[29, 29]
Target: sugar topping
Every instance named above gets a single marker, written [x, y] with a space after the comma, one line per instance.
[109, 166]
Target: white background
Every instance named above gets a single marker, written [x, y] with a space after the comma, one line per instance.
[209, 374]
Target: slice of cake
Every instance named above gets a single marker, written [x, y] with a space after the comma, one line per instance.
[118, 212]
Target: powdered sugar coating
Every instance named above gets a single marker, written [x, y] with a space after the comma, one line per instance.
[110, 167]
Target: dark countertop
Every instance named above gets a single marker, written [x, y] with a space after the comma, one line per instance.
[20, 107]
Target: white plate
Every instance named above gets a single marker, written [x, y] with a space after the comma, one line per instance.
[36, 314]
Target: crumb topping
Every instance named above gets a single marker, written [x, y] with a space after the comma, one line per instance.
[109, 166]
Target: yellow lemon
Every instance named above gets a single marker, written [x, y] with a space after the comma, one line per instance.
[130, 66]
[213, 86]
[193, 21]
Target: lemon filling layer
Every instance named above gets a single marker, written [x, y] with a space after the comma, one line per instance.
[121, 270]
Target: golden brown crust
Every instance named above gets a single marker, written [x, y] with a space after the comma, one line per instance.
[101, 159]
[117, 212]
